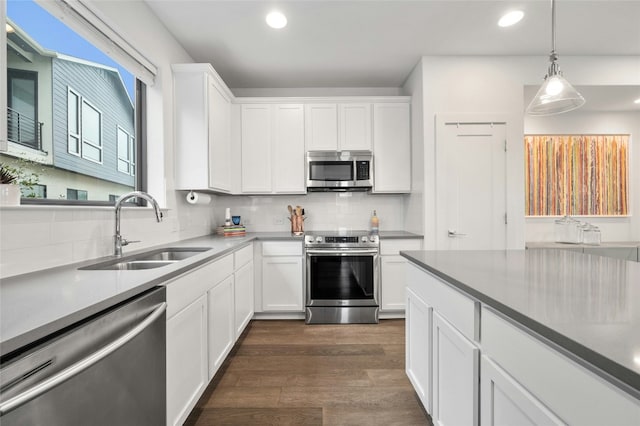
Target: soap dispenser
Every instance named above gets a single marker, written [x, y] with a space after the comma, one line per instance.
[375, 223]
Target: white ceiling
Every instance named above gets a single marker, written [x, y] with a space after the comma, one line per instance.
[335, 43]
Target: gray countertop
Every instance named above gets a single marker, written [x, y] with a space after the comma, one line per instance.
[587, 305]
[34, 305]
[608, 244]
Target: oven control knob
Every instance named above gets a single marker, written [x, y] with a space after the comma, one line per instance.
[373, 238]
[364, 238]
[318, 239]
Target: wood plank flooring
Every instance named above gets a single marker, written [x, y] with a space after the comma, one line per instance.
[289, 373]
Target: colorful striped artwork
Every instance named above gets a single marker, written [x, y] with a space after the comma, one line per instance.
[576, 175]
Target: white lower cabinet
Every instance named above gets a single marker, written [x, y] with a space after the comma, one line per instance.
[418, 349]
[207, 309]
[393, 272]
[221, 323]
[186, 359]
[282, 277]
[455, 376]
[243, 297]
[504, 402]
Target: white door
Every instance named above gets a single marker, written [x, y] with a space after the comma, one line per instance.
[221, 319]
[471, 186]
[288, 149]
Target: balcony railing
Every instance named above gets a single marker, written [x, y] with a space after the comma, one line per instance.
[24, 130]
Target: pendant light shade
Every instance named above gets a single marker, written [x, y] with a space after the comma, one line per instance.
[556, 95]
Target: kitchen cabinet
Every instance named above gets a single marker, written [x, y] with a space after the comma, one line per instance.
[391, 148]
[256, 148]
[442, 350]
[321, 127]
[272, 139]
[455, 375]
[202, 114]
[207, 309]
[503, 401]
[393, 269]
[338, 127]
[186, 359]
[243, 290]
[567, 390]
[418, 347]
[221, 323]
[282, 276]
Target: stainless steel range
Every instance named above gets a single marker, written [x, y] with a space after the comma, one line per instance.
[342, 277]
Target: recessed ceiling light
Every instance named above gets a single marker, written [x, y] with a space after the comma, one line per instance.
[637, 101]
[511, 18]
[276, 20]
[9, 28]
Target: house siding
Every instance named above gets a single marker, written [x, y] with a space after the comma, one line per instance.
[104, 91]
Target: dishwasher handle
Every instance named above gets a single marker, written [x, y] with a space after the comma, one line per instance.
[80, 366]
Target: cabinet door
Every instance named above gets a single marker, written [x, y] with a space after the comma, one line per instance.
[186, 360]
[219, 140]
[504, 402]
[355, 127]
[392, 147]
[243, 297]
[455, 376]
[221, 323]
[288, 149]
[282, 283]
[256, 148]
[393, 279]
[418, 347]
[321, 127]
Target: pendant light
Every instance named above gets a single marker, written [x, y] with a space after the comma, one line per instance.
[556, 95]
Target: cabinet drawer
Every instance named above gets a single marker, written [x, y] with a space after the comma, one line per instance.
[243, 256]
[188, 287]
[457, 308]
[573, 393]
[393, 247]
[279, 248]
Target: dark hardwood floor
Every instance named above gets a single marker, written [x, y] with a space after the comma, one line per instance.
[289, 373]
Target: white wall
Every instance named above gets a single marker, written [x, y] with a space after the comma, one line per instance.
[577, 122]
[495, 85]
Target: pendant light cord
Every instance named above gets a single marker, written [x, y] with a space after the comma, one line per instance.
[553, 26]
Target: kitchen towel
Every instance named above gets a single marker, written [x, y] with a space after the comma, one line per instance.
[198, 198]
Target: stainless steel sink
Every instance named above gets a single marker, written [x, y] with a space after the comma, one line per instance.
[148, 260]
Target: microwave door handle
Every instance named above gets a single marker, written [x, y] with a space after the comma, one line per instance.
[343, 252]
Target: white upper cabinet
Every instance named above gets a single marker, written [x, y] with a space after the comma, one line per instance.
[272, 154]
[338, 127]
[392, 147]
[256, 148]
[288, 149]
[202, 113]
[321, 127]
[354, 127]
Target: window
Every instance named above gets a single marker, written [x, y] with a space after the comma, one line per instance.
[34, 191]
[576, 175]
[22, 108]
[82, 111]
[77, 194]
[73, 122]
[91, 131]
[126, 152]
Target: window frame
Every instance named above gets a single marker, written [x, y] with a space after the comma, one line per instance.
[33, 77]
[130, 159]
[77, 136]
[84, 141]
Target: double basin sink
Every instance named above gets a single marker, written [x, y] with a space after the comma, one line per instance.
[148, 260]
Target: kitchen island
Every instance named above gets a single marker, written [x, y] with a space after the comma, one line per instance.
[557, 329]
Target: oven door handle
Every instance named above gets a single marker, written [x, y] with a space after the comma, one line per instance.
[341, 252]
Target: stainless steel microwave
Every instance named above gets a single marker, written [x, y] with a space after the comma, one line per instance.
[339, 171]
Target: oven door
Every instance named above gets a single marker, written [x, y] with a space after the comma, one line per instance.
[342, 277]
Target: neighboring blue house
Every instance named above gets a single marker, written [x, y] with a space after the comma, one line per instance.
[72, 116]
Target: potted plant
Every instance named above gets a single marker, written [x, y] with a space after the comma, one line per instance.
[9, 186]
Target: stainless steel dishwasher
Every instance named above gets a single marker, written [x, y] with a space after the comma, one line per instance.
[108, 370]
